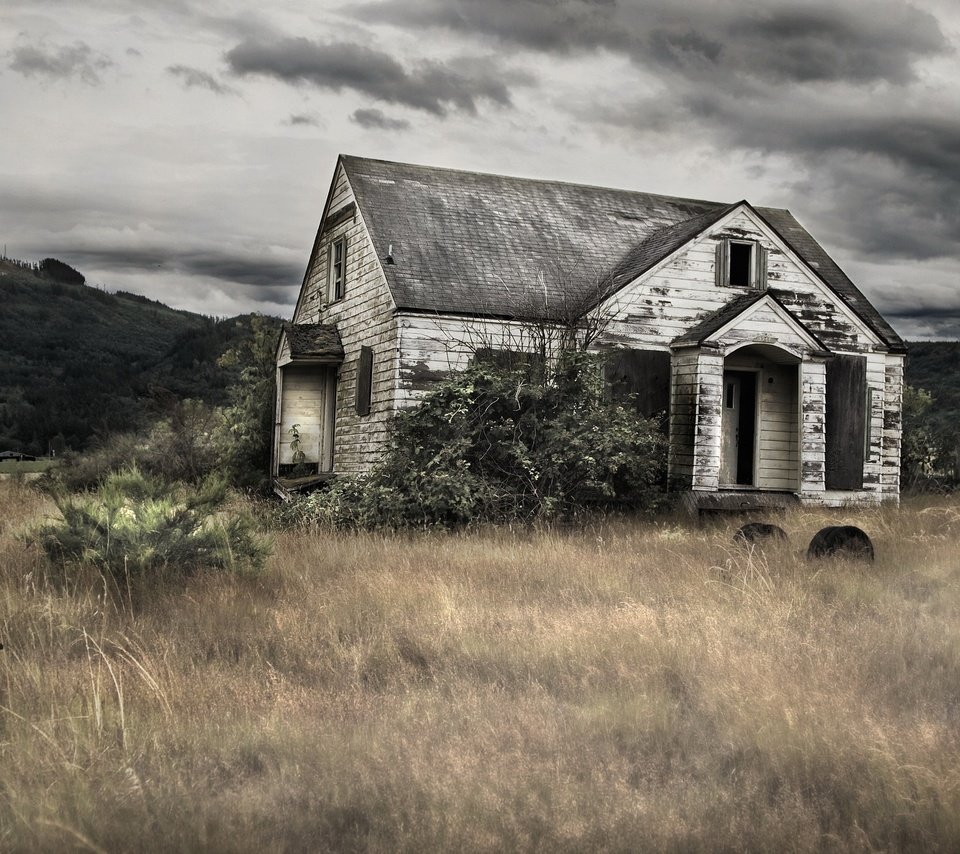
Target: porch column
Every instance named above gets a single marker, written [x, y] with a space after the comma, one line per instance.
[706, 451]
[813, 397]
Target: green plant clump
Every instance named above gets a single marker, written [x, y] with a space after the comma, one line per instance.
[136, 527]
[496, 445]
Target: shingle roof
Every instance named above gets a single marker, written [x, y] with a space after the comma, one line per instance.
[662, 243]
[473, 243]
[313, 341]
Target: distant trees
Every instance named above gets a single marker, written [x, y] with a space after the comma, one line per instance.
[247, 429]
[54, 269]
[48, 268]
[931, 447]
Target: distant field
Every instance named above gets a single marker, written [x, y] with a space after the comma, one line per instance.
[625, 687]
[27, 466]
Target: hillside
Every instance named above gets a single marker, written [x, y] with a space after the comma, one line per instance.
[78, 362]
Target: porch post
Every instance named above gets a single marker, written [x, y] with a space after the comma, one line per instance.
[813, 407]
[706, 452]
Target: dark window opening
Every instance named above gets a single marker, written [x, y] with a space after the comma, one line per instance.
[741, 257]
[364, 380]
[337, 267]
[747, 428]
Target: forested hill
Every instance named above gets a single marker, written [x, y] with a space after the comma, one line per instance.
[935, 367]
[77, 361]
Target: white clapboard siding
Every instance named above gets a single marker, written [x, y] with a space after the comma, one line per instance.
[813, 382]
[891, 426]
[432, 346]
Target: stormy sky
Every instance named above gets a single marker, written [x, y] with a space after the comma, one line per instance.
[183, 149]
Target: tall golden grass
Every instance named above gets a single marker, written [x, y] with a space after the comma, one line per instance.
[625, 686]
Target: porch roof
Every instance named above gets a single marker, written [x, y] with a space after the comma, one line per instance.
[715, 321]
[314, 341]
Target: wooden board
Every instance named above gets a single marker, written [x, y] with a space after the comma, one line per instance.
[640, 376]
[846, 419]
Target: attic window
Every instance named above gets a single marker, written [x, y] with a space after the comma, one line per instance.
[741, 264]
[338, 265]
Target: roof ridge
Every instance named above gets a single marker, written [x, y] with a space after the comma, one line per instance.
[543, 181]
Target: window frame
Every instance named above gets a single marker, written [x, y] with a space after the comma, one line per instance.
[337, 284]
[757, 277]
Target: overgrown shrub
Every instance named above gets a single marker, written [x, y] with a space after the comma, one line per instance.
[135, 527]
[184, 445]
[496, 445]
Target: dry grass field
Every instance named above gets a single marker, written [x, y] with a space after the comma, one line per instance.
[628, 686]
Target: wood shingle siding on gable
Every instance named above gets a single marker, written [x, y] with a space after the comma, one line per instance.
[364, 317]
[442, 265]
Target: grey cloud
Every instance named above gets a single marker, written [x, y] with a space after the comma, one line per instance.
[262, 274]
[793, 41]
[195, 78]
[77, 60]
[429, 86]
[374, 119]
[843, 42]
[302, 119]
[929, 324]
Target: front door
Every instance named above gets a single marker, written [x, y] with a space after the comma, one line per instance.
[738, 428]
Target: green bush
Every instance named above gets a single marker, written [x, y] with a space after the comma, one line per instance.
[181, 446]
[135, 527]
[500, 445]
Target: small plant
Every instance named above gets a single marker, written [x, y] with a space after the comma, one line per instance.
[296, 447]
[135, 526]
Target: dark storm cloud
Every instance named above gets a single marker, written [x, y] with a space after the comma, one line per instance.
[78, 60]
[195, 78]
[429, 86]
[245, 269]
[890, 174]
[375, 120]
[928, 321]
[786, 41]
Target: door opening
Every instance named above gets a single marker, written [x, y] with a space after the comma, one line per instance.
[738, 428]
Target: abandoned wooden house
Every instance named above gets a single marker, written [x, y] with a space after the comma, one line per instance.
[777, 376]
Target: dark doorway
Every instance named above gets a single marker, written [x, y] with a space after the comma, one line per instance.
[738, 428]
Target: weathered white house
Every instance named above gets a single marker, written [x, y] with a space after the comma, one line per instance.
[778, 376]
